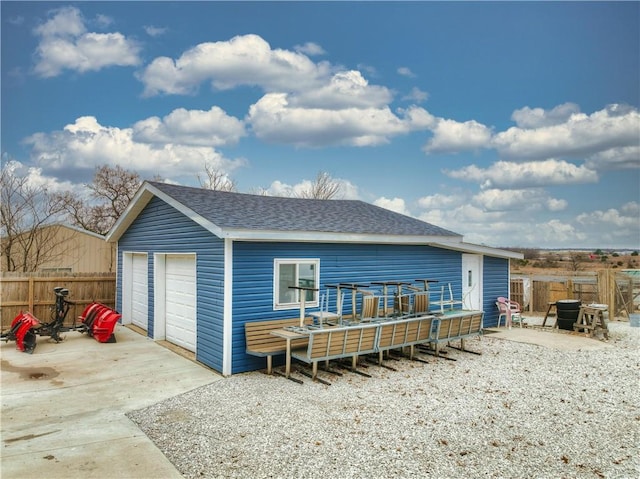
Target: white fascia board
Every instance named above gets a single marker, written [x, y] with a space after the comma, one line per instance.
[227, 314]
[133, 209]
[324, 237]
[138, 203]
[478, 249]
[76, 229]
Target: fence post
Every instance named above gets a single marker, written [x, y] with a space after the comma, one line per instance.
[31, 294]
[604, 291]
[570, 294]
[612, 288]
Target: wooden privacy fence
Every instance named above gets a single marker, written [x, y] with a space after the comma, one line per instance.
[34, 293]
[619, 290]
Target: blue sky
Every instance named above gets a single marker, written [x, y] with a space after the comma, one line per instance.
[512, 123]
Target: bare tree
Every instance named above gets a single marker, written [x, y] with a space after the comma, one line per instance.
[259, 191]
[216, 180]
[324, 187]
[27, 212]
[575, 261]
[110, 193]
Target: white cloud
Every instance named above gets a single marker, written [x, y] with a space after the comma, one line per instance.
[273, 119]
[615, 227]
[65, 44]
[348, 191]
[439, 201]
[190, 127]
[537, 117]
[310, 49]
[606, 139]
[626, 217]
[631, 209]
[154, 31]
[66, 21]
[243, 60]
[475, 223]
[278, 188]
[554, 204]
[627, 157]
[344, 89]
[486, 218]
[580, 135]
[451, 136]
[557, 232]
[36, 180]
[394, 204]
[531, 199]
[416, 95]
[103, 20]
[368, 69]
[505, 174]
[86, 144]
[457, 212]
[405, 71]
[305, 103]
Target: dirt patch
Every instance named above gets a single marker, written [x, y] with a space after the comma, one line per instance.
[29, 373]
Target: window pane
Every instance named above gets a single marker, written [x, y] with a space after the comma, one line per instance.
[307, 278]
[287, 277]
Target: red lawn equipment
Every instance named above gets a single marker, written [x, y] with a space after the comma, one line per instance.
[97, 320]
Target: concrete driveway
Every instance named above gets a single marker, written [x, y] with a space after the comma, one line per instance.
[63, 407]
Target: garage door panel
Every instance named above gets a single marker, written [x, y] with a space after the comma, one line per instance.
[180, 301]
[139, 291]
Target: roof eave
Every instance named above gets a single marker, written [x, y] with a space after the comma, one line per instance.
[477, 249]
[328, 237]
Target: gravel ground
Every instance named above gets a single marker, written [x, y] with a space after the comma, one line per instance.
[515, 411]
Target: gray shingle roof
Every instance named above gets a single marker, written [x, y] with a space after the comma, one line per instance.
[271, 213]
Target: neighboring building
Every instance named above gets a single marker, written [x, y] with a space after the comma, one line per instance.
[61, 248]
[194, 265]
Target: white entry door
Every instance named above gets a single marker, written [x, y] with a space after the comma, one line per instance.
[138, 299]
[180, 300]
[472, 281]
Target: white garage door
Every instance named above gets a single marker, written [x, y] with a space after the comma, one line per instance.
[180, 300]
[138, 298]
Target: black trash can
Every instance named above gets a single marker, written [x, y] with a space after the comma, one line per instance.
[567, 313]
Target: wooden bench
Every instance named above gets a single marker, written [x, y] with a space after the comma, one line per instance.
[260, 342]
[403, 333]
[457, 327]
[334, 343]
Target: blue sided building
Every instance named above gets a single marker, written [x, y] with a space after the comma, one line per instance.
[193, 265]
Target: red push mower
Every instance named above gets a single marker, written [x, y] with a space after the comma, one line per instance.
[97, 320]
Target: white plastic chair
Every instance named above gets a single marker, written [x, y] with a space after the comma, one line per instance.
[510, 310]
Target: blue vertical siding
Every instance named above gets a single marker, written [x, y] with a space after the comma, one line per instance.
[161, 228]
[253, 277]
[496, 283]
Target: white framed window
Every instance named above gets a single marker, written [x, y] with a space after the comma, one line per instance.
[295, 272]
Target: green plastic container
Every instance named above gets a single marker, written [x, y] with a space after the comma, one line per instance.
[634, 320]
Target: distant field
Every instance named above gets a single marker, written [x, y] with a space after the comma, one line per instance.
[557, 263]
